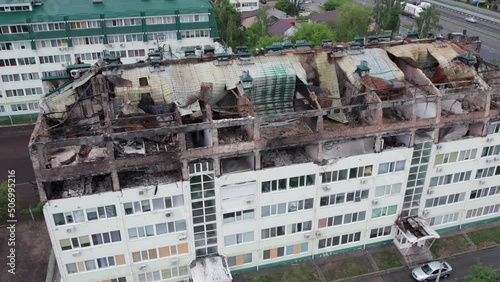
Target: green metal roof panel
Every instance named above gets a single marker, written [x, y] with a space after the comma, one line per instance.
[53, 11]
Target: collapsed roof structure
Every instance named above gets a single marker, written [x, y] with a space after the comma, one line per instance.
[114, 127]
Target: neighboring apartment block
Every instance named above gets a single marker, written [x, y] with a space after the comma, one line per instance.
[245, 5]
[265, 160]
[39, 39]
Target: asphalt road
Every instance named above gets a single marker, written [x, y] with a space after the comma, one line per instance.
[14, 154]
[488, 33]
[460, 264]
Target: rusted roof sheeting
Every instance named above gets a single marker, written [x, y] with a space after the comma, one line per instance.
[375, 83]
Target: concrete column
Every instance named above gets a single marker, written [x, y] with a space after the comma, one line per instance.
[217, 167]
[258, 161]
[378, 145]
[115, 180]
[185, 170]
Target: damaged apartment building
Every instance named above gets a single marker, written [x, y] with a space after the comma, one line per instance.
[204, 167]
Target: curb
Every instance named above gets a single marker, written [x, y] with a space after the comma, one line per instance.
[373, 273]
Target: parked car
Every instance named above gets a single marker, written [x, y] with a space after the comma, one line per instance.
[471, 19]
[430, 270]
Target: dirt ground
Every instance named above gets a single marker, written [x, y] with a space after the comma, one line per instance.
[32, 252]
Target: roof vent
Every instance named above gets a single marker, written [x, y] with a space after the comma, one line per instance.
[97, 1]
[363, 68]
[37, 2]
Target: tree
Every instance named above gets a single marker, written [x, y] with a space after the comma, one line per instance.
[268, 40]
[258, 29]
[482, 273]
[331, 5]
[228, 22]
[427, 21]
[314, 33]
[386, 14]
[291, 7]
[353, 20]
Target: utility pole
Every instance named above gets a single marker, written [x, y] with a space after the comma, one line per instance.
[439, 273]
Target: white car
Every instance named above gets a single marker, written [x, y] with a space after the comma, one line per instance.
[430, 271]
[471, 19]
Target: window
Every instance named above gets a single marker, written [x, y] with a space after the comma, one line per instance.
[85, 24]
[344, 174]
[285, 251]
[487, 172]
[101, 212]
[494, 128]
[119, 54]
[164, 274]
[136, 53]
[453, 157]
[443, 219]
[391, 167]
[340, 198]
[71, 268]
[341, 219]
[2, 108]
[160, 20]
[339, 240]
[238, 216]
[106, 238]
[89, 56]
[160, 252]
[450, 178]
[26, 61]
[273, 232]
[485, 192]
[33, 91]
[195, 33]
[386, 190]
[162, 36]
[158, 204]
[51, 43]
[444, 200]
[30, 76]
[193, 18]
[16, 93]
[379, 232]
[291, 183]
[49, 26]
[490, 151]
[55, 59]
[8, 62]
[88, 40]
[13, 29]
[239, 260]
[124, 38]
[157, 229]
[75, 243]
[123, 22]
[299, 227]
[384, 211]
[240, 238]
[11, 77]
[291, 206]
[69, 217]
[483, 211]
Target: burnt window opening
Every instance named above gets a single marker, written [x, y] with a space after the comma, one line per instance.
[143, 81]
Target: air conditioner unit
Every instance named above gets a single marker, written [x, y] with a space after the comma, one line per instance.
[430, 191]
[168, 214]
[111, 45]
[318, 234]
[326, 188]
[63, 65]
[307, 236]
[76, 254]
[362, 181]
[489, 139]
[496, 159]
[61, 49]
[70, 229]
[182, 237]
[155, 43]
[439, 169]
[142, 267]
[425, 213]
[482, 182]
[375, 202]
[123, 45]
[249, 201]
[439, 147]
[489, 160]
[142, 192]
[174, 262]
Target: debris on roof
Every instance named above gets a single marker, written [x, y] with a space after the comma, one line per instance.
[210, 269]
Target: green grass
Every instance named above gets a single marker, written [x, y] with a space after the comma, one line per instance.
[387, 259]
[485, 237]
[448, 246]
[17, 120]
[348, 268]
[294, 275]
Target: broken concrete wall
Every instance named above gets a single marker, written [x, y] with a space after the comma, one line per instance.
[348, 148]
